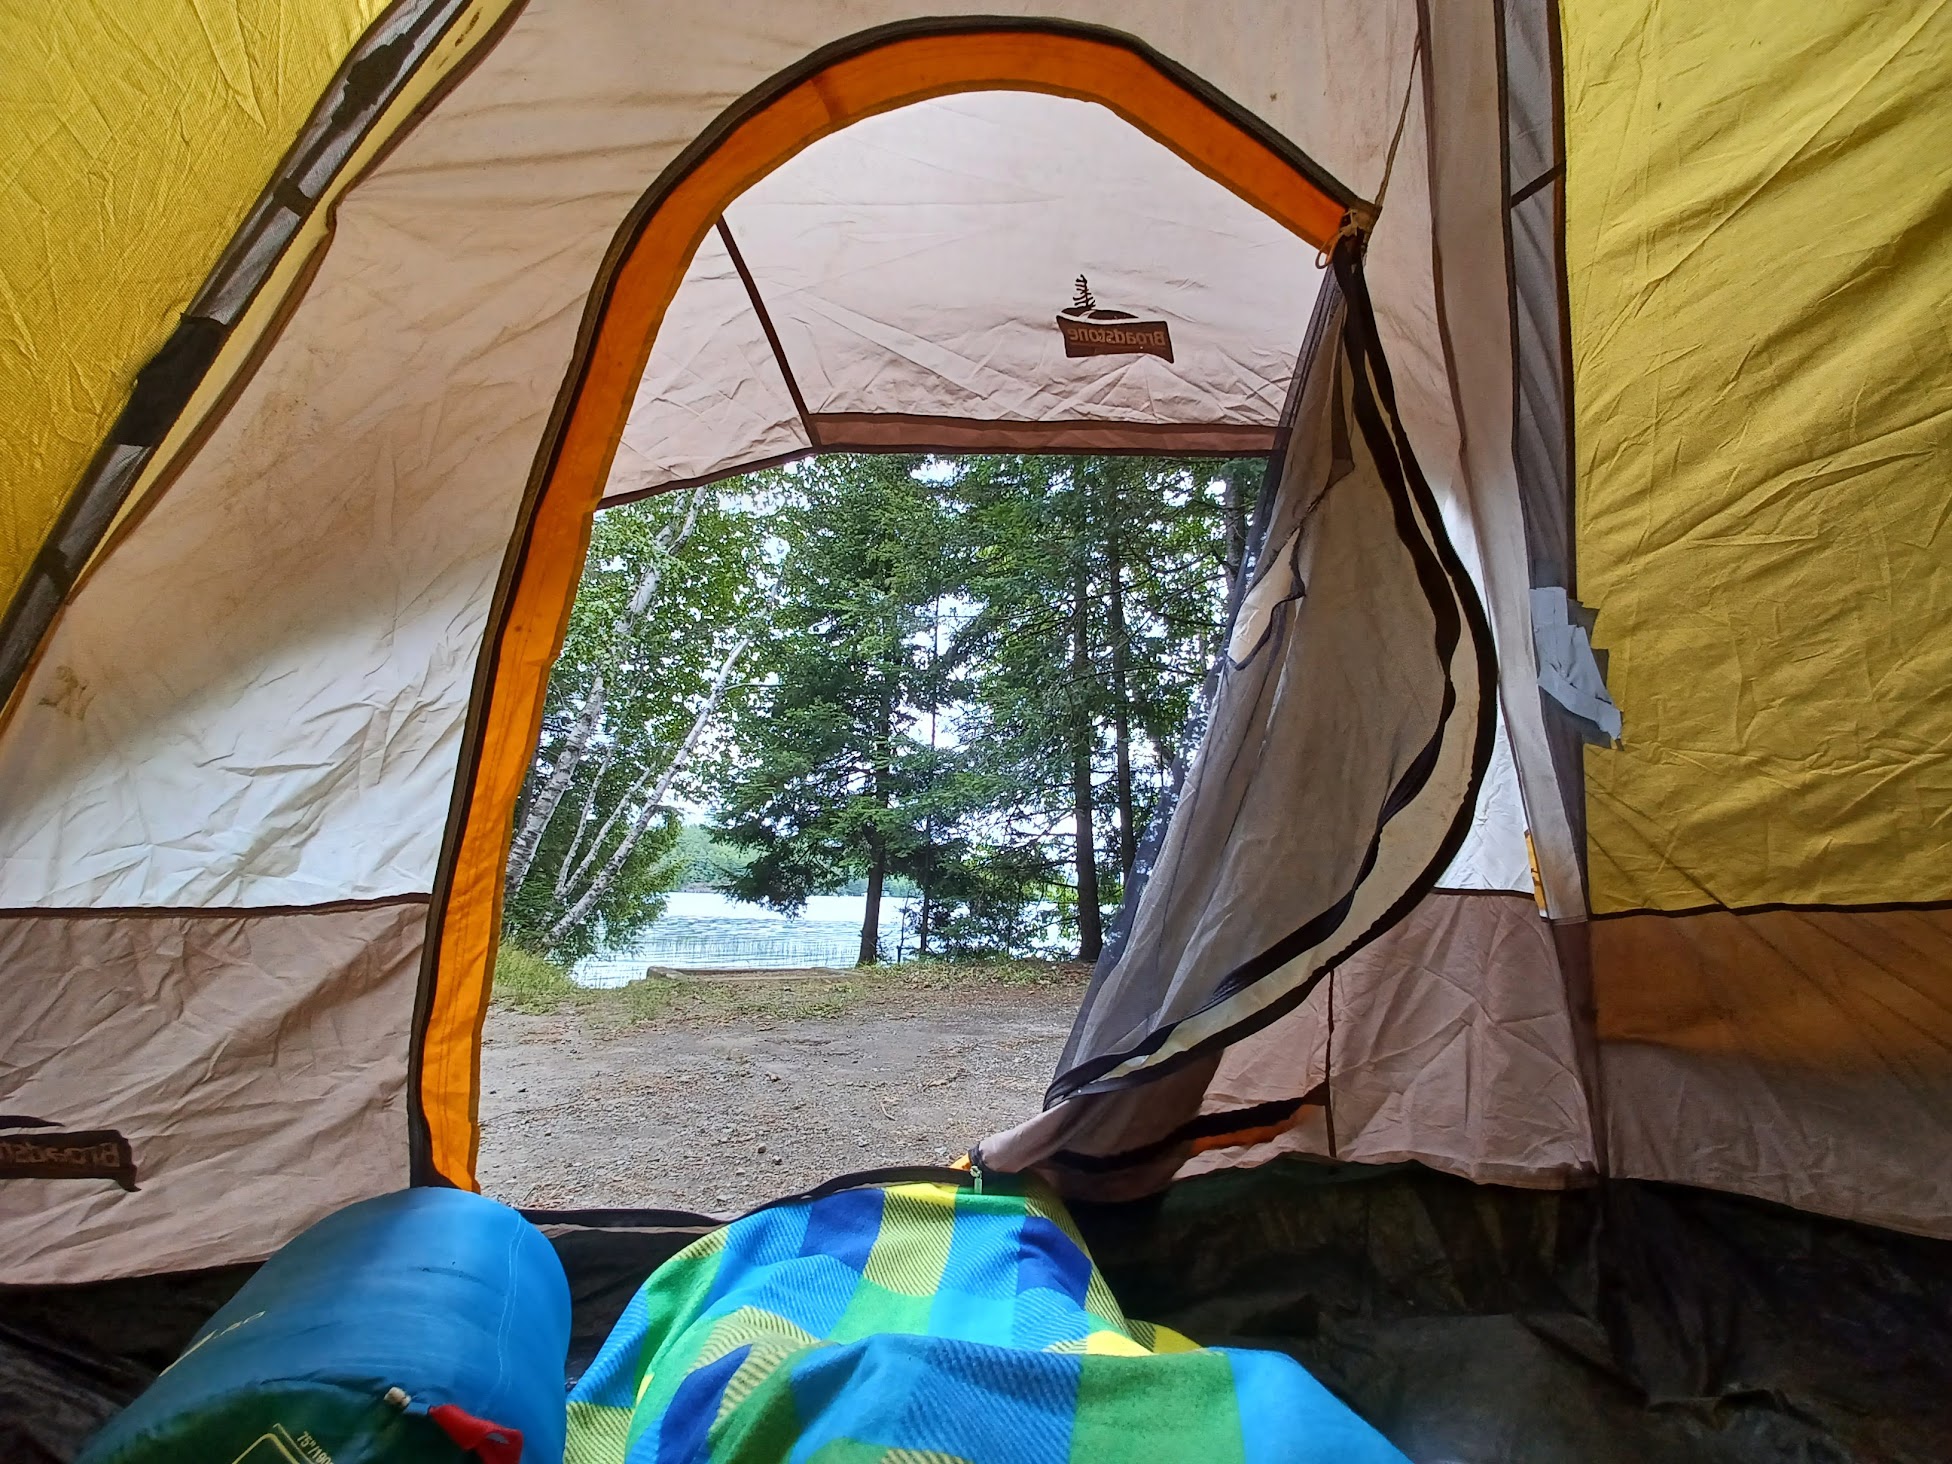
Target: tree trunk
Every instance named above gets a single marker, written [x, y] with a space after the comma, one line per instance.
[668, 543]
[1128, 838]
[542, 808]
[1091, 933]
[1233, 509]
[882, 774]
[613, 866]
[928, 828]
[569, 874]
[871, 915]
[568, 870]
[1091, 929]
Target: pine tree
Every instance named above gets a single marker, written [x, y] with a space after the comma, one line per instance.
[833, 781]
[972, 676]
[1100, 609]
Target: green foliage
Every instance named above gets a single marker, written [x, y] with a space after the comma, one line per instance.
[1037, 530]
[951, 639]
[629, 905]
[949, 661]
[1099, 588]
[833, 781]
[703, 861]
[989, 900]
[529, 982]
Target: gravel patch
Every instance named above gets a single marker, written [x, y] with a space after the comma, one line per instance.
[720, 1111]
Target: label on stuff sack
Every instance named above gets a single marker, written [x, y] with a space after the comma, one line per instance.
[278, 1446]
[33, 1148]
[1091, 330]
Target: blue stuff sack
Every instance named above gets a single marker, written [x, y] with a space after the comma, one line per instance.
[431, 1324]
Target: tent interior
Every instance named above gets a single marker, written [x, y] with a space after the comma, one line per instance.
[893, 287]
[1551, 1047]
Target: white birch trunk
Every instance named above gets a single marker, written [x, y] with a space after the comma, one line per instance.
[600, 884]
[528, 839]
[542, 808]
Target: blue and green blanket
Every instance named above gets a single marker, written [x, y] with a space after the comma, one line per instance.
[927, 1323]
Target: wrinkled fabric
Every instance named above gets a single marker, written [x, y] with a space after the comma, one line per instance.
[928, 1321]
[1446, 1041]
[1801, 1055]
[289, 732]
[135, 144]
[256, 1063]
[1756, 217]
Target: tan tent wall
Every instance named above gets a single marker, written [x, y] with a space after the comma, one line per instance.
[893, 286]
[1445, 1042]
[1756, 222]
[268, 1087]
[1437, 266]
[1467, 191]
[1797, 1054]
[328, 554]
[1450, 1041]
[259, 699]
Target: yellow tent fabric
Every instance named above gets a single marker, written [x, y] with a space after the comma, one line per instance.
[137, 137]
[1757, 210]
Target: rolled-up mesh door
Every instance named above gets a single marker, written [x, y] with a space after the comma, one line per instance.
[1351, 727]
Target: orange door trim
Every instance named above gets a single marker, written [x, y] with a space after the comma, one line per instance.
[893, 74]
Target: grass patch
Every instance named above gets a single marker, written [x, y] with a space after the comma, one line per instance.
[652, 998]
[531, 983]
[1001, 971]
[526, 982]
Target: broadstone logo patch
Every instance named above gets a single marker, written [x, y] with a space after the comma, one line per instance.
[1091, 330]
[33, 1148]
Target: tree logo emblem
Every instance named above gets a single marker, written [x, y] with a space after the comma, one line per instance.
[1090, 329]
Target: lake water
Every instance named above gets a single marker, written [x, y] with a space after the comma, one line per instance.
[702, 929]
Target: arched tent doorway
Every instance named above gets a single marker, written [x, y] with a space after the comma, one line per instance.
[656, 254]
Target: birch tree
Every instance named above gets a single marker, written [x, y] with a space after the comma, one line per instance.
[582, 882]
[567, 756]
[633, 721]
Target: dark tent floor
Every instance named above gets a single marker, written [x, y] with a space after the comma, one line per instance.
[1472, 1324]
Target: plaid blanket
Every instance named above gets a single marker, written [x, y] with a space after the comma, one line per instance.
[927, 1324]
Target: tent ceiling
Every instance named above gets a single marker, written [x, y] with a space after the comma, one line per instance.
[910, 268]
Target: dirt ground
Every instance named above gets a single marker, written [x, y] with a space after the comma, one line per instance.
[716, 1110]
